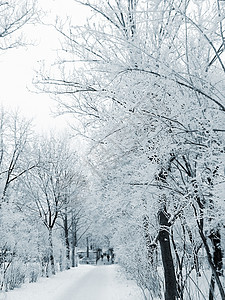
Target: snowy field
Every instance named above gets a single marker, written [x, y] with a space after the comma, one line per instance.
[83, 283]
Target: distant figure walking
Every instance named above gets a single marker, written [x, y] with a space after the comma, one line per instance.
[102, 256]
[108, 257]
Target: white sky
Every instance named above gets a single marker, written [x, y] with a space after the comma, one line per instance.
[17, 66]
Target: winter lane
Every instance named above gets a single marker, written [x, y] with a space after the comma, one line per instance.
[100, 283]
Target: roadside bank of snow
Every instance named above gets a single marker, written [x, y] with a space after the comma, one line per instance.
[47, 288]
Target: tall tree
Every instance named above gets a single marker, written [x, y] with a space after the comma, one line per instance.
[14, 148]
[52, 183]
[73, 213]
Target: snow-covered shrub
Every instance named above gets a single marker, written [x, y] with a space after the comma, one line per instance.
[15, 276]
[33, 272]
[21, 246]
[60, 256]
[133, 257]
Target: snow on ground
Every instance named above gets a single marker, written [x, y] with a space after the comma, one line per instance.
[87, 282]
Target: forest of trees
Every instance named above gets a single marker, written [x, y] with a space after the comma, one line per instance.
[145, 83]
[43, 215]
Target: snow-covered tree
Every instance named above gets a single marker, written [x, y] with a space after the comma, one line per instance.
[53, 186]
[150, 91]
[14, 15]
[14, 148]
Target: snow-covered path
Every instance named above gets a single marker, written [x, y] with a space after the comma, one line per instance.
[100, 283]
[103, 282]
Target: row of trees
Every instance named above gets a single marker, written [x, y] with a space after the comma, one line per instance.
[45, 212]
[146, 79]
[42, 185]
[42, 211]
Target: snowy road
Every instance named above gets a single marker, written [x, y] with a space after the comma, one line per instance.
[98, 283]
[86, 282]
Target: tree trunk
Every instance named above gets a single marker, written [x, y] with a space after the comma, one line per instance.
[212, 288]
[217, 260]
[74, 245]
[216, 255]
[217, 251]
[73, 254]
[61, 261]
[66, 233]
[87, 248]
[167, 259]
[211, 262]
[51, 254]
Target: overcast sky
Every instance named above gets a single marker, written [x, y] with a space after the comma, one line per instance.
[17, 66]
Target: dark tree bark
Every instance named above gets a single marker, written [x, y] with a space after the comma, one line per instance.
[66, 234]
[74, 243]
[51, 254]
[217, 251]
[212, 288]
[87, 248]
[210, 261]
[167, 259]
[217, 260]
